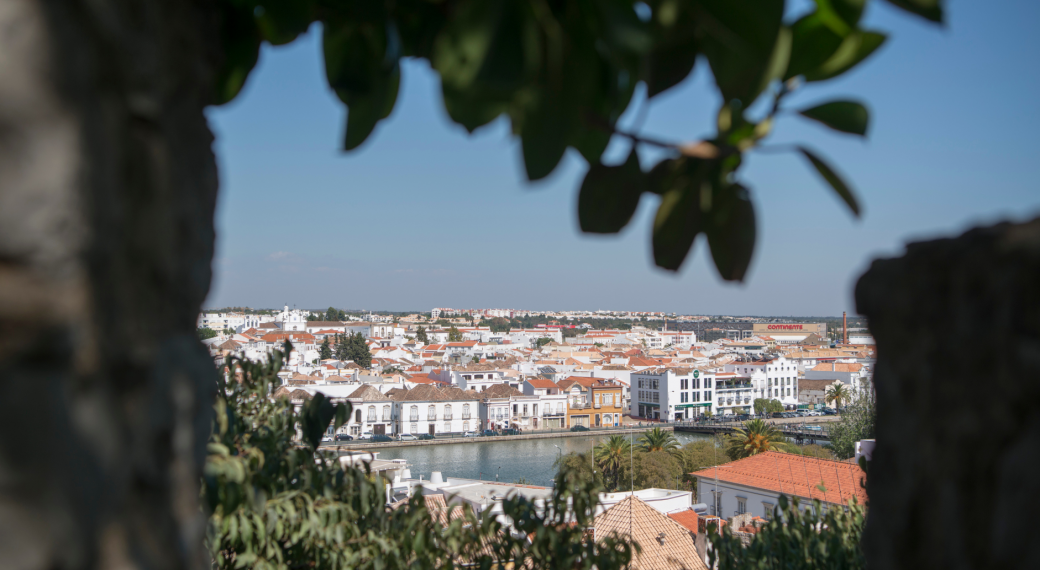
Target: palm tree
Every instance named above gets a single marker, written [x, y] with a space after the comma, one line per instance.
[610, 456]
[756, 436]
[658, 440]
[837, 392]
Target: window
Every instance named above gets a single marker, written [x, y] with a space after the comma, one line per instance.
[447, 411]
[514, 409]
[371, 413]
[465, 411]
[447, 427]
[414, 415]
[608, 399]
[525, 410]
[465, 426]
[357, 416]
[597, 399]
[741, 505]
[415, 428]
[431, 412]
[386, 413]
[767, 509]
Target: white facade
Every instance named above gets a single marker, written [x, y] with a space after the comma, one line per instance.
[672, 394]
[457, 416]
[775, 379]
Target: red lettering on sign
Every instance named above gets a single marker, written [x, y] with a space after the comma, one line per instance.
[784, 327]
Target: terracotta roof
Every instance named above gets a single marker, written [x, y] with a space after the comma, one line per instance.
[794, 475]
[500, 391]
[337, 378]
[674, 550]
[687, 518]
[429, 393]
[282, 391]
[299, 395]
[818, 385]
[837, 367]
[541, 383]
[367, 393]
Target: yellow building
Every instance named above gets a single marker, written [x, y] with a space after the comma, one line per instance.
[592, 402]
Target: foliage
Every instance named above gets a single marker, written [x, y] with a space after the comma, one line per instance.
[837, 392]
[421, 336]
[657, 439]
[610, 455]
[658, 469]
[796, 538]
[698, 455]
[276, 504]
[766, 405]
[543, 341]
[205, 333]
[454, 335]
[334, 314]
[754, 437]
[814, 450]
[564, 72]
[325, 351]
[857, 422]
[357, 350]
[580, 465]
[499, 325]
[342, 350]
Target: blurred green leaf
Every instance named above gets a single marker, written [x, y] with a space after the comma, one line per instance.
[609, 196]
[316, 416]
[679, 218]
[813, 43]
[364, 111]
[832, 178]
[281, 21]
[857, 47]
[739, 38]
[927, 9]
[731, 234]
[845, 116]
[240, 42]
[848, 10]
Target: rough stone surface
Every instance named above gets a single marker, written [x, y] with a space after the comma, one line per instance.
[107, 193]
[957, 464]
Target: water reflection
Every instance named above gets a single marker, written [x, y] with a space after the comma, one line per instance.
[510, 460]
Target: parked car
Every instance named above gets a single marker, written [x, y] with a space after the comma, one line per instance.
[489, 432]
[743, 417]
[829, 412]
[382, 438]
[510, 431]
[779, 415]
[344, 437]
[326, 439]
[470, 434]
[579, 428]
[802, 413]
[815, 413]
[365, 436]
[407, 437]
[426, 436]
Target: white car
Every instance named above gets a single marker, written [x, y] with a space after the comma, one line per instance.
[366, 435]
[407, 437]
[326, 439]
[815, 413]
[471, 434]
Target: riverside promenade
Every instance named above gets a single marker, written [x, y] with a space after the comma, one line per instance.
[455, 439]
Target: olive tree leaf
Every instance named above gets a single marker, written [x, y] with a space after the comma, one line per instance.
[543, 140]
[609, 196]
[487, 43]
[732, 231]
[281, 21]
[856, 47]
[849, 10]
[679, 218]
[845, 116]
[814, 41]
[927, 9]
[832, 178]
[739, 38]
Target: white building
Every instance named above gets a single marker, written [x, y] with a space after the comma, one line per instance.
[429, 409]
[672, 393]
[775, 379]
[552, 402]
[754, 484]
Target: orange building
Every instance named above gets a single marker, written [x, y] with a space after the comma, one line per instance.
[592, 402]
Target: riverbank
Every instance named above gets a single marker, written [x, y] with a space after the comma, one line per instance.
[604, 432]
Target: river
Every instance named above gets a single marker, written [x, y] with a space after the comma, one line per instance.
[530, 459]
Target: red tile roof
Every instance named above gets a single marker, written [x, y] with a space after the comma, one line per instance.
[687, 518]
[541, 383]
[794, 475]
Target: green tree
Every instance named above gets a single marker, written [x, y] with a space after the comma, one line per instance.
[325, 352]
[454, 335]
[610, 455]
[775, 406]
[657, 439]
[342, 351]
[797, 539]
[761, 405]
[543, 341]
[420, 335]
[581, 466]
[277, 503]
[698, 455]
[857, 422]
[499, 325]
[658, 469]
[206, 332]
[754, 437]
[838, 393]
[331, 314]
[357, 350]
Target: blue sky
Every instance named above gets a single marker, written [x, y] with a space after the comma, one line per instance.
[424, 215]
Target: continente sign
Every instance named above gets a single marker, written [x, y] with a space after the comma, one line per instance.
[784, 327]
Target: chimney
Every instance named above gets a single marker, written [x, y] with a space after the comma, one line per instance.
[845, 327]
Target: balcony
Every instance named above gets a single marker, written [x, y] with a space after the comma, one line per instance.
[554, 414]
[447, 417]
[431, 418]
[465, 416]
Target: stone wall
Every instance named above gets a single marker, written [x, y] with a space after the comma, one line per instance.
[957, 463]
